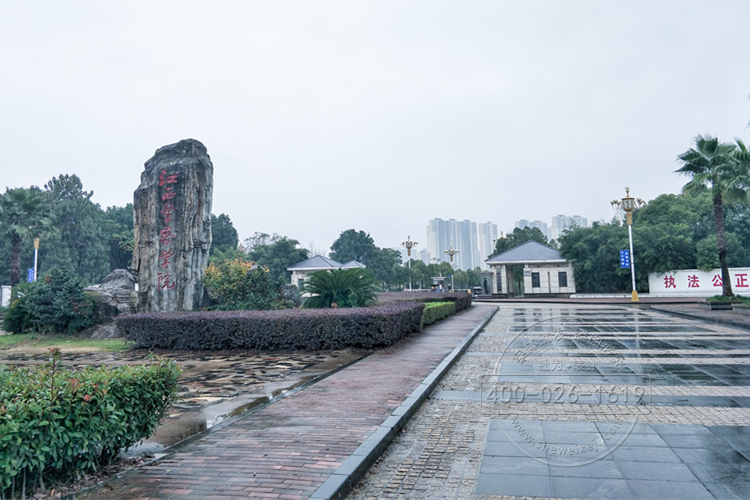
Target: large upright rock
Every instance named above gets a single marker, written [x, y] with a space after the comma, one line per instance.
[172, 215]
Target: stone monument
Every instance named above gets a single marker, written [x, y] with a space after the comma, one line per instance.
[172, 221]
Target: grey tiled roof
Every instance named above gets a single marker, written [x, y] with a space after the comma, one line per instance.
[352, 264]
[317, 262]
[531, 251]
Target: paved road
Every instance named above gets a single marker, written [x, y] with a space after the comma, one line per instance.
[567, 401]
[288, 449]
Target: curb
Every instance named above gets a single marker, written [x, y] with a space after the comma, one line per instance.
[718, 321]
[353, 469]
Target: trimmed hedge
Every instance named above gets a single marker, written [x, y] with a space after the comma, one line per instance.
[435, 311]
[462, 300]
[297, 329]
[57, 422]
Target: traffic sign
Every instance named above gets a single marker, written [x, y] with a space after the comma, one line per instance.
[624, 258]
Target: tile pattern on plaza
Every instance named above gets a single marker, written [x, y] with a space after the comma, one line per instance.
[691, 441]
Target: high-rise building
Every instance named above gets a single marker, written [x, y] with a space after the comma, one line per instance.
[459, 235]
[542, 226]
[562, 222]
[487, 233]
[423, 255]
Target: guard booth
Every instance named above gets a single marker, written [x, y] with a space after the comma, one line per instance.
[545, 272]
[438, 284]
[485, 285]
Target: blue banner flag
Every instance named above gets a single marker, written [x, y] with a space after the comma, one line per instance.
[624, 258]
[30, 277]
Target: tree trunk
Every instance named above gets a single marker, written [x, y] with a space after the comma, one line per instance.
[721, 244]
[172, 218]
[15, 259]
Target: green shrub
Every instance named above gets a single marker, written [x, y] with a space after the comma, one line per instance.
[240, 285]
[462, 300]
[57, 422]
[343, 287]
[734, 298]
[435, 311]
[54, 303]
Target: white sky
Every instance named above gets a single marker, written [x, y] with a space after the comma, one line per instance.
[377, 116]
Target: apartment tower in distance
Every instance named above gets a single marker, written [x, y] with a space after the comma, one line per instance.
[465, 236]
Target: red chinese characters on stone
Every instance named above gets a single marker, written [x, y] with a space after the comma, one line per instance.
[166, 235]
[165, 257]
[693, 282]
[166, 211]
[669, 282]
[716, 280]
[165, 280]
[169, 193]
[167, 179]
[741, 280]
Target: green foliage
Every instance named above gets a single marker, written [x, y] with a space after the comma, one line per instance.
[60, 422]
[517, 237]
[724, 170]
[737, 299]
[241, 285]
[119, 227]
[671, 232]
[277, 253]
[80, 242]
[343, 287]
[385, 263]
[24, 215]
[353, 245]
[53, 303]
[223, 234]
[218, 257]
[435, 311]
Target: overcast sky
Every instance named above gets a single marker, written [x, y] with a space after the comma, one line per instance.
[377, 116]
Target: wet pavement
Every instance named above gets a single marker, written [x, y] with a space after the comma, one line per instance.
[581, 401]
[289, 449]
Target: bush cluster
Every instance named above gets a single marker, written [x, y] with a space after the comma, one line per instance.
[57, 422]
[242, 285]
[462, 300]
[341, 288]
[435, 311]
[303, 329]
[56, 303]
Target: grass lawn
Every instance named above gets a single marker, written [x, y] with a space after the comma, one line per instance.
[35, 340]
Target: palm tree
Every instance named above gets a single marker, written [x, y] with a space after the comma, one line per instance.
[723, 169]
[24, 213]
[343, 287]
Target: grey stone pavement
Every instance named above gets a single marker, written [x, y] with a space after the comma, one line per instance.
[581, 402]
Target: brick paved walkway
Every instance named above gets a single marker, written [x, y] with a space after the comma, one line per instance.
[288, 449]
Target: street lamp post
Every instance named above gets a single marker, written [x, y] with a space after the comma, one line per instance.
[409, 244]
[628, 204]
[451, 253]
[36, 255]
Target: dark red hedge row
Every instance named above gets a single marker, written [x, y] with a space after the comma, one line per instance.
[293, 329]
[462, 300]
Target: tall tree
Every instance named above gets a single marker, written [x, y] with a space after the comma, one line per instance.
[353, 245]
[223, 234]
[80, 242]
[278, 255]
[119, 228]
[723, 169]
[24, 213]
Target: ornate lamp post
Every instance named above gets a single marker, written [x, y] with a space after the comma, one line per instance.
[36, 255]
[629, 204]
[451, 253]
[409, 245]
